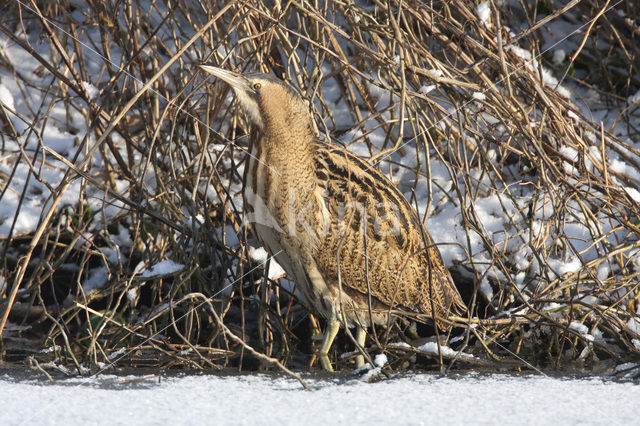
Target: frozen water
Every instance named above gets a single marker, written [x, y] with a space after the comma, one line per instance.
[260, 399]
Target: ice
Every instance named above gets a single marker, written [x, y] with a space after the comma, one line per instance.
[497, 210]
[263, 399]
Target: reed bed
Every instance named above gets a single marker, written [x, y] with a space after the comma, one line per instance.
[138, 254]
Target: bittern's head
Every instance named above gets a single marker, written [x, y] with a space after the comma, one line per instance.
[270, 103]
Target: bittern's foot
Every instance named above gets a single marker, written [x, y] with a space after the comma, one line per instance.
[333, 326]
[326, 364]
[361, 335]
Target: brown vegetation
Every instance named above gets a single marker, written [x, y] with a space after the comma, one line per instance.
[161, 167]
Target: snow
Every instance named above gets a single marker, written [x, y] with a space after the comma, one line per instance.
[483, 10]
[92, 90]
[634, 325]
[559, 56]
[6, 98]
[380, 360]
[231, 238]
[166, 267]
[261, 256]
[426, 89]
[435, 73]
[633, 193]
[99, 276]
[261, 399]
[447, 352]
[581, 329]
[533, 65]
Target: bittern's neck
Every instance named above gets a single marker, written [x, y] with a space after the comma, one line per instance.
[288, 139]
[287, 125]
[285, 146]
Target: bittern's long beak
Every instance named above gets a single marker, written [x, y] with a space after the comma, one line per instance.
[233, 79]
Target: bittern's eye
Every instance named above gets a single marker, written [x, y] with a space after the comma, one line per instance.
[257, 86]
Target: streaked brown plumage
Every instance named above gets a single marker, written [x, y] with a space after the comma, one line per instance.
[307, 200]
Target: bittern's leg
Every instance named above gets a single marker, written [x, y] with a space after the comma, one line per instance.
[333, 326]
[361, 335]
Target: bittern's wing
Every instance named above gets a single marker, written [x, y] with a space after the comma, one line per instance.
[399, 269]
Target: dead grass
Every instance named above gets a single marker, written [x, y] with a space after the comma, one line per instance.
[164, 158]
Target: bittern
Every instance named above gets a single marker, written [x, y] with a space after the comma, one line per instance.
[341, 230]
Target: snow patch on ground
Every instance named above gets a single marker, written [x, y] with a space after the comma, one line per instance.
[261, 256]
[166, 267]
[483, 10]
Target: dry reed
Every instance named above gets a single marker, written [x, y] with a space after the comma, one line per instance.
[160, 160]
